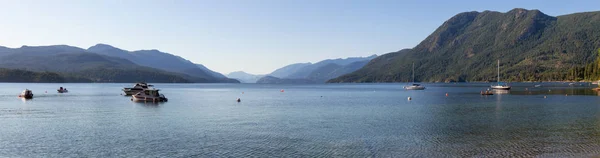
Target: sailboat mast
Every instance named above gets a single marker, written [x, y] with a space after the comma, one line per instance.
[413, 72]
[498, 72]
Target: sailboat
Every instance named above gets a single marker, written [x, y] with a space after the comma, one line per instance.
[414, 86]
[500, 86]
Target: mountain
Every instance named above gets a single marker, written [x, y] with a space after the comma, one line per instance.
[77, 62]
[288, 70]
[530, 45]
[275, 80]
[211, 72]
[319, 72]
[161, 60]
[331, 70]
[305, 71]
[244, 77]
[13, 75]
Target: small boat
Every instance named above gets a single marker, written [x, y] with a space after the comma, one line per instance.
[62, 90]
[27, 94]
[500, 85]
[414, 86]
[138, 87]
[149, 95]
[537, 85]
[486, 93]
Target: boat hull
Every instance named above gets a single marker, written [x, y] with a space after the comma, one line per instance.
[501, 87]
[414, 88]
[132, 91]
[26, 96]
[62, 91]
[137, 98]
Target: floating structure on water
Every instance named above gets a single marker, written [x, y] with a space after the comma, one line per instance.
[149, 95]
[414, 86]
[62, 90]
[500, 86]
[138, 87]
[27, 94]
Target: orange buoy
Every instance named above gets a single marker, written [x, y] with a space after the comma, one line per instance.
[446, 94]
[281, 90]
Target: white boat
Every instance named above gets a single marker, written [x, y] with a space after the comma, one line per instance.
[149, 95]
[414, 86]
[27, 94]
[138, 87]
[499, 85]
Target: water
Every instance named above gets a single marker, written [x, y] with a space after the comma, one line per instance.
[330, 120]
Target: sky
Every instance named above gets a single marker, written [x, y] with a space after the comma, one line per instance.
[255, 36]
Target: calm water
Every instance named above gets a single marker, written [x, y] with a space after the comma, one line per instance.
[335, 120]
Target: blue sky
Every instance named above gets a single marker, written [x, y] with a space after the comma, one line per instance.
[255, 36]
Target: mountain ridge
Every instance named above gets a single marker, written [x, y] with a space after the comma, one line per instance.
[531, 46]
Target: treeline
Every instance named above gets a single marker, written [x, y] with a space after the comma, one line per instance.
[16, 75]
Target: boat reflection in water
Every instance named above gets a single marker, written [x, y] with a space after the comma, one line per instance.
[500, 91]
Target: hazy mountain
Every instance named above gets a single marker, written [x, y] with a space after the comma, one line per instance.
[211, 72]
[72, 61]
[275, 80]
[530, 45]
[160, 60]
[319, 72]
[244, 77]
[305, 71]
[288, 70]
[331, 70]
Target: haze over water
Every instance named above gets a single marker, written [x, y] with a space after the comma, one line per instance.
[323, 120]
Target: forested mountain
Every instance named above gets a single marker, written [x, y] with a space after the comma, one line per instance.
[332, 70]
[160, 60]
[10, 75]
[530, 45]
[275, 80]
[67, 61]
[211, 72]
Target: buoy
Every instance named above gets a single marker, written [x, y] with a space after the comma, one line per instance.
[242, 92]
[544, 97]
[525, 88]
[239, 100]
[409, 98]
[566, 95]
[282, 90]
[446, 94]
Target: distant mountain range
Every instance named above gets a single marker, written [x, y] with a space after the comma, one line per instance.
[104, 63]
[316, 73]
[244, 77]
[530, 45]
[275, 80]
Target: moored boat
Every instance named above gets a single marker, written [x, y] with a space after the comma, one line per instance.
[414, 86]
[62, 90]
[138, 87]
[486, 93]
[149, 95]
[27, 94]
[500, 85]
